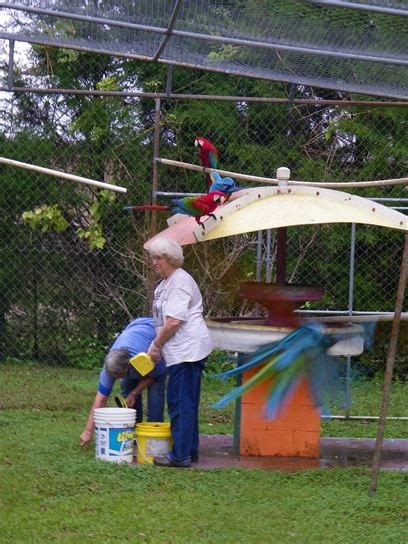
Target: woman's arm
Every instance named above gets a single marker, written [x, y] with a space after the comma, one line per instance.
[168, 330]
[141, 386]
[99, 402]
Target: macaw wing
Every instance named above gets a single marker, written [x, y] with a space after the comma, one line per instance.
[185, 205]
[203, 204]
[212, 159]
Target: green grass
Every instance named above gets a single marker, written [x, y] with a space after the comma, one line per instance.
[53, 491]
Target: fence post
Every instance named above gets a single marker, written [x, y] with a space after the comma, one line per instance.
[350, 311]
[10, 77]
[268, 259]
[283, 176]
[156, 152]
[155, 186]
[388, 371]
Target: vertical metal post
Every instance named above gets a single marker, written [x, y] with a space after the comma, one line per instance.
[155, 185]
[389, 368]
[283, 175]
[169, 79]
[268, 260]
[350, 311]
[258, 264]
[10, 78]
[258, 256]
[156, 150]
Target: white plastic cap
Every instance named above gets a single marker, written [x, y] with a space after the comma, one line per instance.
[283, 173]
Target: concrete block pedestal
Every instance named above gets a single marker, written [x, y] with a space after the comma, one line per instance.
[294, 433]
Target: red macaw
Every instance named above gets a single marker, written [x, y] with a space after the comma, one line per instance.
[208, 155]
[195, 206]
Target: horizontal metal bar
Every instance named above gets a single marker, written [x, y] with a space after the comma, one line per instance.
[382, 199]
[340, 315]
[180, 96]
[214, 39]
[163, 193]
[360, 7]
[355, 312]
[367, 418]
[83, 18]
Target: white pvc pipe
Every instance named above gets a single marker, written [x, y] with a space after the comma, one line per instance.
[64, 175]
[259, 179]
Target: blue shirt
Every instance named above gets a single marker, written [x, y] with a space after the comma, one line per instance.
[136, 338]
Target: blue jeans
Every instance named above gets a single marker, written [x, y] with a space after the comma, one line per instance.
[183, 400]
[155, 398]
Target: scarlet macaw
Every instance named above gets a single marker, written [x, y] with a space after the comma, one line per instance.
[195, 206]
[208, 155]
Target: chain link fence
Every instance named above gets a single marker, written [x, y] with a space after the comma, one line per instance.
[73, 270]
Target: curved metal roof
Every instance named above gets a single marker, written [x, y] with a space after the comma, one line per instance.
[359, 46]
[263, 208]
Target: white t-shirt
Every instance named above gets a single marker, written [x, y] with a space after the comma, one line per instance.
[178, 296]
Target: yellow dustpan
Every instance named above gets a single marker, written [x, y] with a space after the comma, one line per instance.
[142, 363]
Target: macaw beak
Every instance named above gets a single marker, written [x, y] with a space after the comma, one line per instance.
[198, 143]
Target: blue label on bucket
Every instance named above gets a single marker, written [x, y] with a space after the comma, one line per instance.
[121, 440]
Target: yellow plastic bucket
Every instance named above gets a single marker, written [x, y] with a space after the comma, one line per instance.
[152, 440]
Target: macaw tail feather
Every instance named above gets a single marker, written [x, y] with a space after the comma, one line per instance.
[147, 207]
[261, 354]
[301, 354]
[261, 375]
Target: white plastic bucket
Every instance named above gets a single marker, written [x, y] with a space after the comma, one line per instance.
[114, 434]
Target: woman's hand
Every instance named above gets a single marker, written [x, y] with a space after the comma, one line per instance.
[131, 398]
[154, 352]
[85, 438]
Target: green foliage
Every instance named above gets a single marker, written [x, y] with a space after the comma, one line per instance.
[45, 218]
[219, 361]
[85, 353]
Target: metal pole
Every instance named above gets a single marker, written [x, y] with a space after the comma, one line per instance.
[350, 311]
[169, 79]
[156, 150]
[186, 96]
[258, 272]
[283, 176]
[258, 256]
[388, 371]
[10, 78]
[268, 260]
[155, 185]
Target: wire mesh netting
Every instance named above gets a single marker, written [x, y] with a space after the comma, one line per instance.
[72, 268]
[312, 43]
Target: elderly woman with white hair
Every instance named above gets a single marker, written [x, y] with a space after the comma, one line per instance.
[184, 342]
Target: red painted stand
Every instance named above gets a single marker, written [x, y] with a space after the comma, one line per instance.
[296, 431]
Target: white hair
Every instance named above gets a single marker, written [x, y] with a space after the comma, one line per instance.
[117, 362]
[171, 250]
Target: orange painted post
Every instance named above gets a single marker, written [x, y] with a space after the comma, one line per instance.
[294, 433]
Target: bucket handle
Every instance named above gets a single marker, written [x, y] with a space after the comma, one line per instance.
[138, 448]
